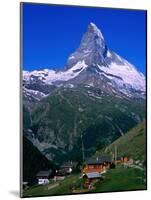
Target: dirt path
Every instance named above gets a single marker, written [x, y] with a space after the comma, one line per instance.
[53, 186]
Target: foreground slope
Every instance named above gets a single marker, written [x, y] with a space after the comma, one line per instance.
[119, 179]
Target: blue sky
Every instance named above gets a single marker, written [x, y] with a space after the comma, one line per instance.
[52, 33]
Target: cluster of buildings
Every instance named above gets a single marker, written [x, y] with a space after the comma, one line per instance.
[92, 170]
[67, 168]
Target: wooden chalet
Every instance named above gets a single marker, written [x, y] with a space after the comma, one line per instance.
[125, 159]
[90, 178]
[99, 164]
[66, 168]
[122, 159]
[44, 176]
[118, 160]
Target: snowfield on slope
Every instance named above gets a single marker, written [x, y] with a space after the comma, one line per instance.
[49, 76]
[127, 74]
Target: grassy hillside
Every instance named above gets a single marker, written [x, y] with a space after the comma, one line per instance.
[132, 143]
[122, 179]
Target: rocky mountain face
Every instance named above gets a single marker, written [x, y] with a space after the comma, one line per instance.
[97, 97]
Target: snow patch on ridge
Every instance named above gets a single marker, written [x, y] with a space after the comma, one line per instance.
[127, 74]
[28, 93]
[50, 76]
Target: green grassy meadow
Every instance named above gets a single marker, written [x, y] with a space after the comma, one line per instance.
[118, 179]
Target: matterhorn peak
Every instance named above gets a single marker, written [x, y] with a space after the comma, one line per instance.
[93, 64]
[95, 30]
[92, 48]
[92, 25]
[93, 38]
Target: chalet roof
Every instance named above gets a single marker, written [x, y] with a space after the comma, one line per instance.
[69, 164]
[93, 175]
[66, 165]
[44, 173]
[99, 160]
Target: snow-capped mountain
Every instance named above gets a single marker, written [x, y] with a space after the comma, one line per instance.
[93, 63]
[98, 95]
